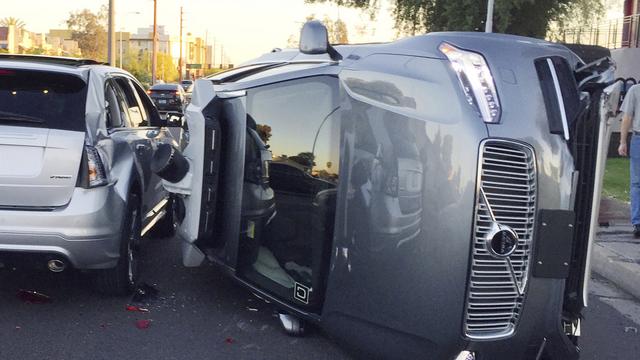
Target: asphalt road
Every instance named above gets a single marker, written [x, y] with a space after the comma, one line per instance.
[200, 314]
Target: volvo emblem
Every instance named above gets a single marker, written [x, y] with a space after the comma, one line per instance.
[501, 241]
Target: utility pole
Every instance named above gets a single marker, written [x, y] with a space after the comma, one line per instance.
[221, 56]
[111, 41]
[180, 61]
[154, 60]
[488, 26]
[213, 53]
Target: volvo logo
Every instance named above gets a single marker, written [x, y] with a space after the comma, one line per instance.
[501, 241]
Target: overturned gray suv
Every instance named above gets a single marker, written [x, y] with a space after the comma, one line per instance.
[76, 186]
[430, 198]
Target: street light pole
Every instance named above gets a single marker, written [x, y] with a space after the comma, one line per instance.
[489, 23]
[121, 48]
[111, 45]
[154, 60]
[180, 61]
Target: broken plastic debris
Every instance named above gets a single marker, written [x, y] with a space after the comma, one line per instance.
[33, 297]
[136, 309]
[143, 324]
[629, 329]
[252, 309]
[229, 340]
[143, 292]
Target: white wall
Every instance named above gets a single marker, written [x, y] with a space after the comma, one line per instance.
[628, 62]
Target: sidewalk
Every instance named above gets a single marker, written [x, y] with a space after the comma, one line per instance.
[616, 253]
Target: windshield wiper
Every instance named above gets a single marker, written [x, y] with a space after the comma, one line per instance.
[9, 116]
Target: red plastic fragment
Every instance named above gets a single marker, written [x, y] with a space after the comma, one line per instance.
[136, 309]
[143, 324]
[32, 297]
[229, 340]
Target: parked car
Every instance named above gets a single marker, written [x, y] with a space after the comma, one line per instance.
[186, 84]
[168, 97]
[435, 197]
[76, 189]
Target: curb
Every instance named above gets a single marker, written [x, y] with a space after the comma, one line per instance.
[623, 272]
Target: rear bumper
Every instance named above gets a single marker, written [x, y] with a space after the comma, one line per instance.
[86, 232]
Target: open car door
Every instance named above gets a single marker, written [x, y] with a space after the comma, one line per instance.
[212, 165]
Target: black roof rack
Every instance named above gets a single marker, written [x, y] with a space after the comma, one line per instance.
[56, 60]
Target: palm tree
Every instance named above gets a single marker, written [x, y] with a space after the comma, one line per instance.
[19, 24]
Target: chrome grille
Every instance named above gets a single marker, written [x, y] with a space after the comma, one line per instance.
[507, 182]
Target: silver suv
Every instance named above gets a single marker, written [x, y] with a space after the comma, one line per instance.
[76, 189]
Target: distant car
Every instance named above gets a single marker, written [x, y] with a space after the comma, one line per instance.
[76, 187]
[186, 84]
[168, 97]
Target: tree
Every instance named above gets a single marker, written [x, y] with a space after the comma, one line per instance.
[579, 14]
[90, 31]
[8, 21]
[521, 17]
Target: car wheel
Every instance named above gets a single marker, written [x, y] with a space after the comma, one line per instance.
[120, 280]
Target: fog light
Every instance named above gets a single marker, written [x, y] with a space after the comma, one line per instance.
[466, 355]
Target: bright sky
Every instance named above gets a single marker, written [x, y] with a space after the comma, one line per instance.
[246, 28]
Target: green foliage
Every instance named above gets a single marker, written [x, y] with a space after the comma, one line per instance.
[521, 17]
[89, 29]
[580, 13]
[36, 51]
[138, 63]
[616, 179]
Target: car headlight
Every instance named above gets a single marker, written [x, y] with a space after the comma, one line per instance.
[476, 80]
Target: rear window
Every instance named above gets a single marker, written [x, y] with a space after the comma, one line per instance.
[42, 99]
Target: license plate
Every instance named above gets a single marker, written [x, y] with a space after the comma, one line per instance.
[162, 101]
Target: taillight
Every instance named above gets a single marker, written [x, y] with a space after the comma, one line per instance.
[149, 92]
[96, 175]
[476, 80]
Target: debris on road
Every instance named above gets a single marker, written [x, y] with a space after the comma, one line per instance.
[252, 309]
[143, 324]
[33, 297]
[144, 292]
[629, 329]
[229, 340]
[134, 308]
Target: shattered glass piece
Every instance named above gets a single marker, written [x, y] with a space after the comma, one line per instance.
[33, 297]
[144, 292]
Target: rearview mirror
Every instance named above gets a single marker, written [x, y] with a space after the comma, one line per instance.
[314, 38]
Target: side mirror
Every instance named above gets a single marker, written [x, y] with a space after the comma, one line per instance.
[314, 38]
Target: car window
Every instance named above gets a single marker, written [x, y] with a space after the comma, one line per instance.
[114, 119]
[145, 104]
[42, 99]
[122, 104]
[132, 106]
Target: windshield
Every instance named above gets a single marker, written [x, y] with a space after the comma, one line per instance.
[42, 99]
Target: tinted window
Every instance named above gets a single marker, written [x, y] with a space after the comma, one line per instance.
[297, 120]
[42, 99]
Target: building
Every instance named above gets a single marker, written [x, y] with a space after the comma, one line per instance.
[142, 40]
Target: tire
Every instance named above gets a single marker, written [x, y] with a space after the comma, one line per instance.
[165, 227]
[121, 279]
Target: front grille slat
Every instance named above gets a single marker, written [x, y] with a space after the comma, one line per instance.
[508, 180]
